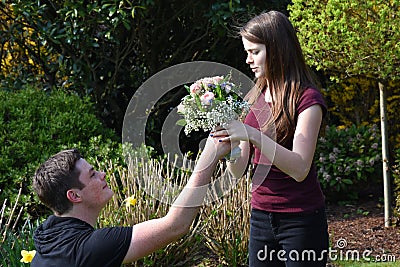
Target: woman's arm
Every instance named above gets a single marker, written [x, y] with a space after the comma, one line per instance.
[296, 162]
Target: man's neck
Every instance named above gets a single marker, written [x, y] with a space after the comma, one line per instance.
[87, 216]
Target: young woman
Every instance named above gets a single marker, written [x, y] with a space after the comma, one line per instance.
[288, 225]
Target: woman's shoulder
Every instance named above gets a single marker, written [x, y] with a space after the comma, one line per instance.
[309, 97]
[311, 92]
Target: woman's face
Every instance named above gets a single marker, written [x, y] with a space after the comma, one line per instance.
[256, 56]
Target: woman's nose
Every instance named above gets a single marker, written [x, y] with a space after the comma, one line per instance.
[249, 59]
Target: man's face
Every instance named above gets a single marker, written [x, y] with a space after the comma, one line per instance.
[96, 192]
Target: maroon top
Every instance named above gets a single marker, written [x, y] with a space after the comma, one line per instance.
[272, 189]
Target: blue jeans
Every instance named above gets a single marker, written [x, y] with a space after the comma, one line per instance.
[292, 240]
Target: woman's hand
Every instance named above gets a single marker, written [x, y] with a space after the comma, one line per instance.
[234, 131]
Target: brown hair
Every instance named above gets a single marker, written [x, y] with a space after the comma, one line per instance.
[286, 73]
[55, 177]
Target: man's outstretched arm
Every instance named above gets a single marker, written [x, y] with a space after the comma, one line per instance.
[152, 235]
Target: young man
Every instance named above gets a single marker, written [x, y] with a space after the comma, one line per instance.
[76, 193]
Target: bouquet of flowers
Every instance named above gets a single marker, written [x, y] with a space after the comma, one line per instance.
[212, 101]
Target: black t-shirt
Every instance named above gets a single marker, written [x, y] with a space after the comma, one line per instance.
[65, 241]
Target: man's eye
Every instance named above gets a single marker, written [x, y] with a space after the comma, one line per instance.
[93, 174]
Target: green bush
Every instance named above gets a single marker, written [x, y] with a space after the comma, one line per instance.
[396, 184]
[347, 158]
[34, 125]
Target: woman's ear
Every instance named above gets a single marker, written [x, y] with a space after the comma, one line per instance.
[74, 196]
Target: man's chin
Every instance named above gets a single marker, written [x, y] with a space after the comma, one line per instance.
[111, 194]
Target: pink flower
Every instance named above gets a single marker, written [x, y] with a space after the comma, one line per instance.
[206, 81]
[195, 89]
[207, 98]
[217, 79]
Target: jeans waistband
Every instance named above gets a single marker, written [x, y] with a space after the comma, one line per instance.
[294, 214]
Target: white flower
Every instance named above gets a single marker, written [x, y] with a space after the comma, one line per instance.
[228, 87]
[181, 108]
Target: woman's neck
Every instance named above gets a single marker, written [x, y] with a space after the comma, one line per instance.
[268, 97]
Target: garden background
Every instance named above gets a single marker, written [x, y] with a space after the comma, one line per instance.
[68, 70]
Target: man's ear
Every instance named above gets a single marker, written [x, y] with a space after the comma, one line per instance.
[74, 196]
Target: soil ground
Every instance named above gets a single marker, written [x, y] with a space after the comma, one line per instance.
[360, 227]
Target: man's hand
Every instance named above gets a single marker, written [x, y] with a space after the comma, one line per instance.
[214, 150]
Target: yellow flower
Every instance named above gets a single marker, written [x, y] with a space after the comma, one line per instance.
[27, 256]
[130, 201]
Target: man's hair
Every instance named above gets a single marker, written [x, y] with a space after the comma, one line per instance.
[55, 177]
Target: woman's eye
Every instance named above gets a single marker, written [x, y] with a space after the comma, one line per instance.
[255, 52]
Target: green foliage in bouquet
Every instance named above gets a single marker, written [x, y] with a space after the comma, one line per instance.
[347, 158]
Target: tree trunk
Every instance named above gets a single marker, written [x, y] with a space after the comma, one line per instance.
[385, 153]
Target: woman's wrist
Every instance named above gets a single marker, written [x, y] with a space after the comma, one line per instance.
[252, 133]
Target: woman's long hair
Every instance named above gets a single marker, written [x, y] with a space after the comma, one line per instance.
[286, 73]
